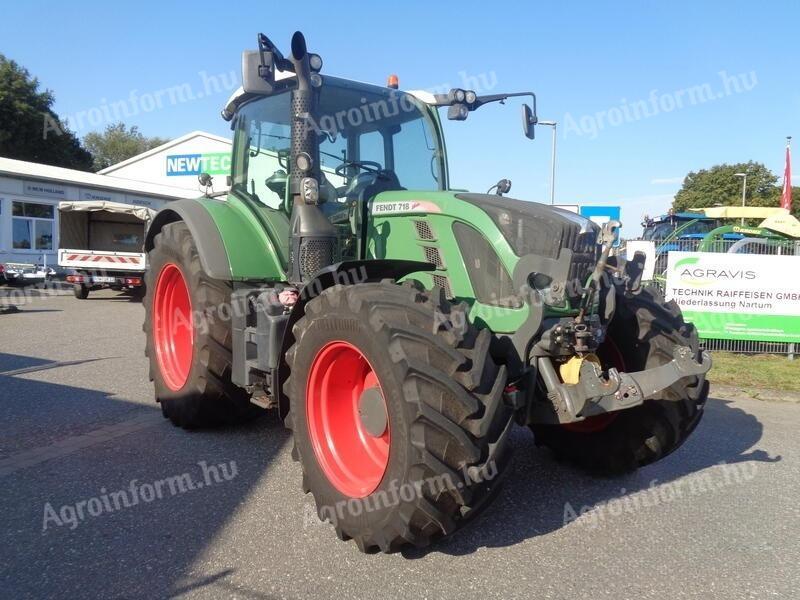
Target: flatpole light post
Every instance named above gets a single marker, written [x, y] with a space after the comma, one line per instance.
[554, 125]
[744, 189]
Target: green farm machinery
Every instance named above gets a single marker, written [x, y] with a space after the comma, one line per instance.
[400, 327]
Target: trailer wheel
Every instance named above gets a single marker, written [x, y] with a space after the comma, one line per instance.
[137, 294]
[188, 343]
[80, 291]
[397, 411]
[644, 331]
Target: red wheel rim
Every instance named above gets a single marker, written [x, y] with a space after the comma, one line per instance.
[352, 459]
[173, 333]
[609, 355]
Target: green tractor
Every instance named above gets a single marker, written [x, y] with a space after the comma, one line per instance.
[402, 327]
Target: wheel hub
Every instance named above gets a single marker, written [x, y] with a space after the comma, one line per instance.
[347, 419]
[173, 331]
[372, 410]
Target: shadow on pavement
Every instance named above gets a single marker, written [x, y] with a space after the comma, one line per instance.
[142, 549]
[12, 362]
[535, 495]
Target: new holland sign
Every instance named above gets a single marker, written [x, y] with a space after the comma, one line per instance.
[213, 163]
[737, 296]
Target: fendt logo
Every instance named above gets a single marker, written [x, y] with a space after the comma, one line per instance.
[213, 163]
[691, 272]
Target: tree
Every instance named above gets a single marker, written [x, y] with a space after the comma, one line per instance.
[719, 186]
[117, 143]
[29, 128]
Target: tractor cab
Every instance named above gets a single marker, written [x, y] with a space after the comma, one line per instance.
[370, 140]
[662, 227]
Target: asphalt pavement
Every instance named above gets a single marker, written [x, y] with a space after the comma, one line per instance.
[100, 497]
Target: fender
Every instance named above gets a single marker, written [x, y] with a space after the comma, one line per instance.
[213, 256]
[234, 240]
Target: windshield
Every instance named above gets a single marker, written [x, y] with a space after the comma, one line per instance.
[388, 130]
[658, 232]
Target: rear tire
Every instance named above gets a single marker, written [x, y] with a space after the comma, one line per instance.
[194, 387]
[443, 400]
[80, 291]
[645, 330]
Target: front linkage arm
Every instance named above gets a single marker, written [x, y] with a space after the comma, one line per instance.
[594, 394]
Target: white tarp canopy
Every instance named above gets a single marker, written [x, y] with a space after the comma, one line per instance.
[140, 212]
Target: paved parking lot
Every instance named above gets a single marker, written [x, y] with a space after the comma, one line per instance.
[719, 518]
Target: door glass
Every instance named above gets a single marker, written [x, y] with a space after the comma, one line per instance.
[416, 160]
[371, 148]
[263, 140]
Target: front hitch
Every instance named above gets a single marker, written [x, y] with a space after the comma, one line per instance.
[594, 394]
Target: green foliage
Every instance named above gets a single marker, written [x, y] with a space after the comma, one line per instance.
[29, 129]
[117, 143]
[719, 186]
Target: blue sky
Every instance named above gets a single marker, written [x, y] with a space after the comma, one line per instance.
[594, 67]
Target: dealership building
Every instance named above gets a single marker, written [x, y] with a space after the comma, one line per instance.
[30, 192]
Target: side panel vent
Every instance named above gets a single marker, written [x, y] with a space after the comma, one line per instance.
[444, 283]
[424, 231]
[432, 255]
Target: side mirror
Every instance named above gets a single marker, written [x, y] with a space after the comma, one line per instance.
[205, 179]
[529, 120]
[253, 81]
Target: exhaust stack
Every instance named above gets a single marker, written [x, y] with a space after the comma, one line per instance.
[313, 238]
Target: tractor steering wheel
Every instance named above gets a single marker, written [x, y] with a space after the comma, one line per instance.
[370, 166]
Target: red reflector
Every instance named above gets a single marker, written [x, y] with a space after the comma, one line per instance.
[133, 281]
[75, 278]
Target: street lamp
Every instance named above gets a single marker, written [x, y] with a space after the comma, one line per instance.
[554, 125]
[744, 188]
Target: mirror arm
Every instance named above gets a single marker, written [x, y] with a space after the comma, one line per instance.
[447, 100]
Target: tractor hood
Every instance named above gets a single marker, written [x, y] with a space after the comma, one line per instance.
[533, 228]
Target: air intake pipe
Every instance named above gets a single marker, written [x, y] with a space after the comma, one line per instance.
[312, 241]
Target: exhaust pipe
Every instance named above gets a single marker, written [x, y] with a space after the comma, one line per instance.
[313, 238]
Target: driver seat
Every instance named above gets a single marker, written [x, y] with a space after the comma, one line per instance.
[385, 180]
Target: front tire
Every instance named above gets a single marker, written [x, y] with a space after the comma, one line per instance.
[188, 343]
[438, 451]
[644, 332]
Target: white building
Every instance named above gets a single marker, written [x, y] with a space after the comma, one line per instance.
[30, 192]
[179, 162]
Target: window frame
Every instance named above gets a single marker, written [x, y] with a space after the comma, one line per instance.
[34, 249]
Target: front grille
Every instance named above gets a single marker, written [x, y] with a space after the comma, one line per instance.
[585, 253]
[432, 255]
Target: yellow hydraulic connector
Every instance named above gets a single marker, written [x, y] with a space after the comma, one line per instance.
[570, 371]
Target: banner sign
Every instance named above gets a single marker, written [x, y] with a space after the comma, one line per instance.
[602, 215]
[213, 163]
[737, 296]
